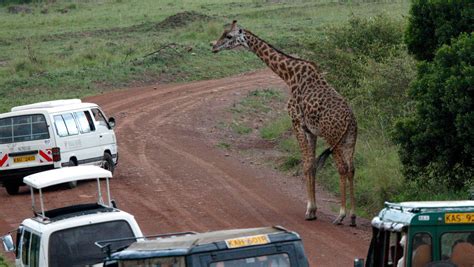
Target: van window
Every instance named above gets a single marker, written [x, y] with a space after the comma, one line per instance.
[83, 121]
[75, 246]
[23, 128]
[70, 124]
[34, 250]
[100, 118]
[61, 129]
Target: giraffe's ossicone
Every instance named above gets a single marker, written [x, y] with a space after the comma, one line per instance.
[316, 110]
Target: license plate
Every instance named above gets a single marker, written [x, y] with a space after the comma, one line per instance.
[459, 217]
[247, 241]
[23, 159]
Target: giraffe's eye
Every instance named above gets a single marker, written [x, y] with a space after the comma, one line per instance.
[228, 36]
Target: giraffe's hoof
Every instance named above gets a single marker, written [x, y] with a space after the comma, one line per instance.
[310, 216]
[339, 219]
[353, 221]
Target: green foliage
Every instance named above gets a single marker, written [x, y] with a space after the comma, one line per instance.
[433, 23]
[3, 263]
[276, 129]
[437, 141]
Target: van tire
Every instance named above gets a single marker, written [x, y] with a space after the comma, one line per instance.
[108, 163]
[12, 188]
[72, 185]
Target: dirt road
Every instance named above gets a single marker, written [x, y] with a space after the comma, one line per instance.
[172, 176]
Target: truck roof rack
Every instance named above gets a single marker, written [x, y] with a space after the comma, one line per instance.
[420, 206]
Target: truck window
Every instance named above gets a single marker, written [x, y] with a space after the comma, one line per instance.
[75, 246]
[30, 246]
[277, 260]
[25, 248]
[458, 247]
[157, 262]
[421, 250]
[23, 128]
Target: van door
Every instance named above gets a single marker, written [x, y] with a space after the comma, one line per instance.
[106, 133]
[28, 253]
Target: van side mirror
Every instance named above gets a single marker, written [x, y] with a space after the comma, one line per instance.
[112, 122]
[8, 243]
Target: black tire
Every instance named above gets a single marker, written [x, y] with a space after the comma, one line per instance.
[72, 185]
[108, 163]
[12, 188]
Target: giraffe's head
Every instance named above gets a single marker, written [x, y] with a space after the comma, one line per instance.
[230, 39]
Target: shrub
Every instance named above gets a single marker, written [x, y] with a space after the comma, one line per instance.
[433, 23]
[437, 141]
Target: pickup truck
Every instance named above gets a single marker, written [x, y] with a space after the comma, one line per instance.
[65, 236]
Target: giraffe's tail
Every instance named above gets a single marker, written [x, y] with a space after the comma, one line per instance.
[321, 159]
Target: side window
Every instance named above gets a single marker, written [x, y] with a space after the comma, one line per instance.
[34, 250]
[90, 120]
[25, 248]
[99, 117]
[70, 124]
[60, 126]
[458, 247]
[83, 121]
[421, 250]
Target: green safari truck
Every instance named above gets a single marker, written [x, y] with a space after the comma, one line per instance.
[424, 233]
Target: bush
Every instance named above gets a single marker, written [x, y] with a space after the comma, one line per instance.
[433, 23]
[437, 141]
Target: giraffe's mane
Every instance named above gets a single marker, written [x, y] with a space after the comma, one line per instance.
[281, 52]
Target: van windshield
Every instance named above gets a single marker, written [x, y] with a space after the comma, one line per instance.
[23, 128]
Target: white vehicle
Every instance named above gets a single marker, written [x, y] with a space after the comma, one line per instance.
[66, 236]
[54, 134]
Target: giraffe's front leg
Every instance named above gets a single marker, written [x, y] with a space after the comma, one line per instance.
[307, 143]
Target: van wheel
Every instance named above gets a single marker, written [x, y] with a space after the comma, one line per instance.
[108, 163]
[12, 188]
[72, 185]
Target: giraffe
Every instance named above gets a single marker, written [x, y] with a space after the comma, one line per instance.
[316, 110]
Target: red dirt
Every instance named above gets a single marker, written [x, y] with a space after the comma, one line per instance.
[172, 176]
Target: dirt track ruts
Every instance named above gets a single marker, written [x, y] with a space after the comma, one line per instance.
[172, 177]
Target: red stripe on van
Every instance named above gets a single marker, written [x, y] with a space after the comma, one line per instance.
[45, 156]
[3, 160]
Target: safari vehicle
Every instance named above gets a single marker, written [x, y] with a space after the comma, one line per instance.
[54, 134]
[65, 236]
[419, 234]
[270, 246]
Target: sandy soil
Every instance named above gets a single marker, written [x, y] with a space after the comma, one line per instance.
[173, 177]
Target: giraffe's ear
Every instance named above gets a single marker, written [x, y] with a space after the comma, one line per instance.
[234, 25]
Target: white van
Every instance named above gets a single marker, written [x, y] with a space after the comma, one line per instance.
[54, 134]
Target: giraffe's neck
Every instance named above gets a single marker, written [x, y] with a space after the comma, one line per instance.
[278, 62]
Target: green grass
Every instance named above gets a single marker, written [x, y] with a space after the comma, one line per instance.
[3, 262]
[100, 45]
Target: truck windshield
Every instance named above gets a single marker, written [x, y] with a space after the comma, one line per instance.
[23, 128]
[75, 246]
[277, 260]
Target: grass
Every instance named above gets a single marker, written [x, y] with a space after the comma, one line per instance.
[101, 45]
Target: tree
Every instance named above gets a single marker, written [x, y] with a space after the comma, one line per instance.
[437, 141]
[433, 23]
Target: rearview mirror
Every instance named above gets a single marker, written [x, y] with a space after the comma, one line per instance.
[112, 122]
[8, 243]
